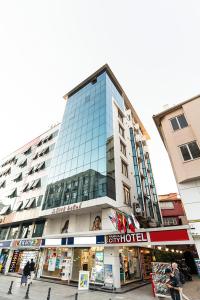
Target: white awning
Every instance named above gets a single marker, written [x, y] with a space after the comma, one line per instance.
[17, 206]
[17, 176]
[22, 162]
[4, 210]
[30, 203]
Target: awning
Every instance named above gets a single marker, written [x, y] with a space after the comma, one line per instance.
[17, 206]
[22, 163]
[2, 184]
[25, 188]
[35, 184]
[25, 202]
[12, 193]
[17, 176]
[30, 203]
[5, 209]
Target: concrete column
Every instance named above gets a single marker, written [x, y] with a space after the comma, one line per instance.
[197, 244]
[111, 257]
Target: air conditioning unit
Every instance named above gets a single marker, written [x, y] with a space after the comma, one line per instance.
[137, 209]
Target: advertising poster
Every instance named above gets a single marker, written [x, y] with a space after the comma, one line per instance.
[52, 264]
[197, 262]
[108, 275]
[93, 275]
[83, 283]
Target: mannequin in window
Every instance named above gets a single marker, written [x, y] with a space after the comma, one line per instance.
[65, 227]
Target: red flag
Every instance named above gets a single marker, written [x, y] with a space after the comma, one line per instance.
[131, 224]
[119, 222]
[124, 222]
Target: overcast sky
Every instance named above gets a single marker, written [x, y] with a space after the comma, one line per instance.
[48, 47]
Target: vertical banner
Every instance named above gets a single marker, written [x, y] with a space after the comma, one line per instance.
[108, 276]
[83, 283]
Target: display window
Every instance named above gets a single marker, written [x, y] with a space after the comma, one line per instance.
[147, 258]
[129, 264]
[58, 263]
[89, 259]
[20, 258]
[3, 259]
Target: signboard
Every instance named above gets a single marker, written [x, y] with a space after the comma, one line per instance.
[26, 243]
[83, 283]
[108, 275]
[5, 244]
[52, 264]
[197, 262]
[138, 237]
[66, 208]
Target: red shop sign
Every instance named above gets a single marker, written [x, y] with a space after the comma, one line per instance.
[137, 237]
[169, 235]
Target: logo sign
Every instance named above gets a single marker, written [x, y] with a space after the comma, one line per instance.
[26, 243]
[66, 208]
[138, 237]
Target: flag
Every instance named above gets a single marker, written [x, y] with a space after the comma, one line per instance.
[131, 224]
[135, 221]
[124, 222]
[119, 222]
[113, 219]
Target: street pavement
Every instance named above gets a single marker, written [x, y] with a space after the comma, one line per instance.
[39, 291]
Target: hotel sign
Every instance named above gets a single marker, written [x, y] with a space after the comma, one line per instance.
[128, 238]
[26, 243]
[66, 208]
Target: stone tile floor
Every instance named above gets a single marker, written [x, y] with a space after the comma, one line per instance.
[39, 290]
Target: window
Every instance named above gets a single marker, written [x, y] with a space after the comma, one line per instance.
[124, 168]
[122, 148]
[38, 229]
[13, 234]
[190, 151]
[179, 122]
[167, 205]
[3, 233]
[28, 151]
[120, 116]
[127, 196]
[170, 221]
[121, 131]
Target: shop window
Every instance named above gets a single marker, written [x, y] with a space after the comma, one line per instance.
[3, 233]
[122, 148]
[124, 168]
[129, 264]
[13, 234]
[38, 229]
[127, 195]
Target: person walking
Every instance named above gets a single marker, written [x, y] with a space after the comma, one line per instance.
[32, 270]
[26, 273]
[173, 285]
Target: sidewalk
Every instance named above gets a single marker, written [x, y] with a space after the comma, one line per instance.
[39, 290]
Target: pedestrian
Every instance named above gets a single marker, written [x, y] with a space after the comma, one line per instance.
[32, 270]
[178, 274]
[173, 285]
[26, 273]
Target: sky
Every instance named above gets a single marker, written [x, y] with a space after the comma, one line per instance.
[47, 47]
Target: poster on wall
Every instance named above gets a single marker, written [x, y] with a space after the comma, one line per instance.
[52, 264]
[197, 262]
[83, 283]
[108, 276]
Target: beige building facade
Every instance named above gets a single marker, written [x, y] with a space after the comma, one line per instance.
[179, 128]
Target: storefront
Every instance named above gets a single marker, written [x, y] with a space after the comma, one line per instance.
[24, 251]
[4, 252]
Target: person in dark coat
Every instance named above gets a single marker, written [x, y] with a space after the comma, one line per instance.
[173, 285]
[26, 273]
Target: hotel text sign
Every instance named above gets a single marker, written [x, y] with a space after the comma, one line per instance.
[66, 208]
[138, 237]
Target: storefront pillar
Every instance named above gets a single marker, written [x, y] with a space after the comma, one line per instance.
[111, 257]
[7, 266]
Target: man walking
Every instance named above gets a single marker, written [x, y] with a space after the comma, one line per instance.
[173, 285]
[32, 270]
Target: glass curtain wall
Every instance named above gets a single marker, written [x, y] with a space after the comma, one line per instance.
[82, 167]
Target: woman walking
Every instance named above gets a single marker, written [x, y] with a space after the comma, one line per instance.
[26, 273]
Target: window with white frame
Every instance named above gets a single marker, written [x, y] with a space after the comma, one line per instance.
[124, 168]
[122, 148]
[127, 195]
[190, 151]
[179, 122]
[167, 205]
[120, 116]
[121, 131]
[170, 221]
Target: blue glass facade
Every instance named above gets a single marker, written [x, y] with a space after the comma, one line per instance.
[82, 167]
